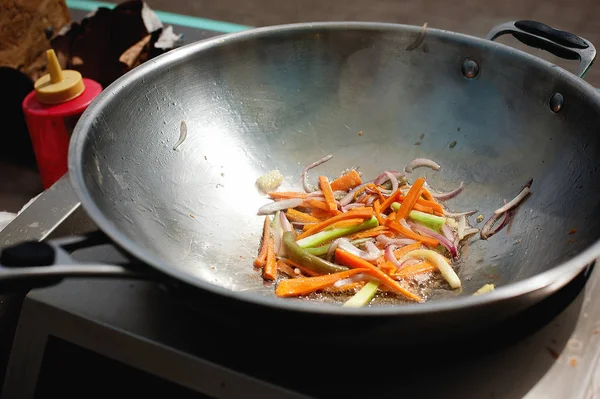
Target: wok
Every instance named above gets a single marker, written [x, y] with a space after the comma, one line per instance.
[282, 97]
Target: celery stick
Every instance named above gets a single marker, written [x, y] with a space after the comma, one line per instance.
[318, 251]
[432, 221]
[323, 249]
[328, 235]
[364, 296]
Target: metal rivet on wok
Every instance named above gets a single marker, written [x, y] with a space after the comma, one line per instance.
[470, 69]
[557, 101]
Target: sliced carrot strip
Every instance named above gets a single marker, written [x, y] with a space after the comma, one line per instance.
[306, 285]
[296, 216]
[363, 189]
[270, 269]
[386, 204]
[286, 195]
[347, 181]
[346, 223]
[424, 205]
[426, 195]
[399, 253]
[262, 254]
[430, 242]
[417, 268]
[381, 197]
[388, 267]
[431, 204]
[347, 259]
[320, 214]
[303, 269]
[377, 209]
[327, 193]
[421, 208]
[363, 213]
[313, 203]
[284, 268]
[355, 286]
[410, 200]
[374, 232]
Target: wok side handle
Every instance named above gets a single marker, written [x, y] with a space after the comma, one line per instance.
[560, 43]
[35, 264]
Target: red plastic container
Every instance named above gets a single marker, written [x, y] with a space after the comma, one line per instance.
[51, 125]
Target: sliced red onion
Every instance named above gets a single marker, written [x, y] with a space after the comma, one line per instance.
[459, 214]
[382, 178]
[285, 223]
[332, 247]
[443, 240]
[359, 241]
[343, 282]
[389, 255]
[182, 135]
[277, 233]
[314, 194]
[515, 201]
[507, 211]
[488, 231]
[370, 200]
[361, 197]
[447, 232]
[394, 181]
[449, 195]
[420, 163]
[352, 206]
[350, 196]
[462, 225]
[347, 246]
[279, 206]
[400, 242]
[471, 231]
[409, 262]
[405, 224]
[307, 187]
[371, 248]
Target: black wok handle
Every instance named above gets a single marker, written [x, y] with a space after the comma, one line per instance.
[560, 43]
[36, 264]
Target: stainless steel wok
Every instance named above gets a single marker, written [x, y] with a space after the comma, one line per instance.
[284, 96]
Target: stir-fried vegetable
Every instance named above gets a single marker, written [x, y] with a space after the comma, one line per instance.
[349, 236]
[304, 258]
[306, 285]
[328, 235]
[364, 296]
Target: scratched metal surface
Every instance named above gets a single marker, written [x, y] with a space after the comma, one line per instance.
[274, 98]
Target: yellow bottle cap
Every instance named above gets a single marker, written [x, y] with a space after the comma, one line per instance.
[58, 86]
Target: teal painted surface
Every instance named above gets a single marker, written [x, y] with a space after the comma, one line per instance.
[167, 17]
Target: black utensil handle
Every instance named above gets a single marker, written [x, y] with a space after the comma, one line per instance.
[560, 43]
[36, 264]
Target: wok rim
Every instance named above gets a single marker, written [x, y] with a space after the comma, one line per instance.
[552, 279]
